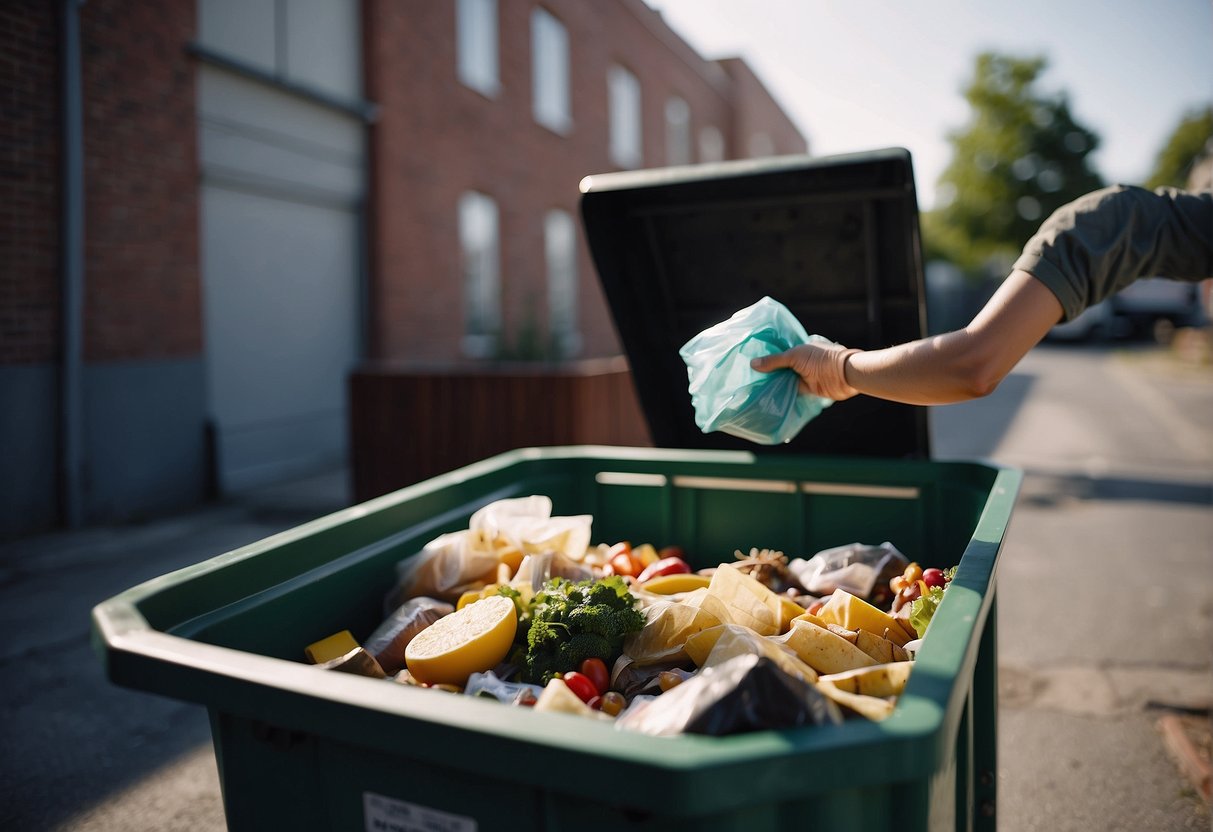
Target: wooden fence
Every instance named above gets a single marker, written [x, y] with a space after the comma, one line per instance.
[409, 422]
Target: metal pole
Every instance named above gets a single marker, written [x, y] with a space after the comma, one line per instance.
[71, 445]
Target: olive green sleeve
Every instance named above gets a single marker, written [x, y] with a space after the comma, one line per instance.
[1100, 243]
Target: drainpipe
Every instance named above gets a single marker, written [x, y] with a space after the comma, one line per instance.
[71, 444]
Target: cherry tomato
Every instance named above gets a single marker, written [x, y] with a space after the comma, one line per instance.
[665, 566]
[613, 702]
[596, 671]
[933, 577]
[672, 552]
[581, 685]
[668, 680]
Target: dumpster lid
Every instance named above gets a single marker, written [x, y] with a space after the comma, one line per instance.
[835, 239]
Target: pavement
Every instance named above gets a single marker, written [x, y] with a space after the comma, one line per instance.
[1105, 615]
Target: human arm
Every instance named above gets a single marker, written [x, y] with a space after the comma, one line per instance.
[960, 365]
[1086, 251]
[1096, 245]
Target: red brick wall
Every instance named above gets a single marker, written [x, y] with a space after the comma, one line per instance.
[436, 138]
[756, 111]
[29, 182]
[142, 296]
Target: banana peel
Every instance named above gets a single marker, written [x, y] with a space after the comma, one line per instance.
[673, 584]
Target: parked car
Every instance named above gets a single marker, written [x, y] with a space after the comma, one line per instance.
[1152, 305]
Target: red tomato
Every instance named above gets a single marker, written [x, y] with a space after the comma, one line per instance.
[581, 685]
[933, 577]
[596, 671]
[665, 566]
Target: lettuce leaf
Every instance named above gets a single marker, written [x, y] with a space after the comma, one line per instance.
[922, 609]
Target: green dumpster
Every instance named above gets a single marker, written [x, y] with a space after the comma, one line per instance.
[299, 748]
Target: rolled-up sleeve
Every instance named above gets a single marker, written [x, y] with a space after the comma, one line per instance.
[1098, 244]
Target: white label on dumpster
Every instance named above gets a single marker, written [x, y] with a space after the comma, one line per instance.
[386, 814]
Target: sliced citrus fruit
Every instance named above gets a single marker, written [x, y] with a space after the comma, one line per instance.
[470, 640]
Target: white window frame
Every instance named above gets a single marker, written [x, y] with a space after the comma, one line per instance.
[476, 52]
[560, 255]
[677, 131]
[550, 100]
[480, 271]
[624, 107]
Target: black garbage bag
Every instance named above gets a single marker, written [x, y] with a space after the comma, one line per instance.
[745, 693]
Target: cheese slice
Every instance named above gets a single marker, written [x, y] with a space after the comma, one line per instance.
[333, 647]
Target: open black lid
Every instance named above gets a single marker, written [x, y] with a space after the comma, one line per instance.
[834, 239]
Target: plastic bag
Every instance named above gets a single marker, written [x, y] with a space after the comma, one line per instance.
[489, 685]
[503, 530]
[857, 568]
[745, 693]
[390, 638]
[536, 570]
[730, 396]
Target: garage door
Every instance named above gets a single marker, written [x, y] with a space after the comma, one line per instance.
[281, 200]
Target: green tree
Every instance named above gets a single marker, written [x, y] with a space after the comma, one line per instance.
[1186, 145]
[1021, 156]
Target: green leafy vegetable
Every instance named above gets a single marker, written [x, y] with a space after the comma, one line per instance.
[570, 622]
[922, 609]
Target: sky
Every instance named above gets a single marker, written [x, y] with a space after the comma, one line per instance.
[865, 74]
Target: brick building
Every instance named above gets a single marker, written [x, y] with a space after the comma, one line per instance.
[212, 211]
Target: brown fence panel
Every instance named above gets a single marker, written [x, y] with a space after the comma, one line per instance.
[409, 422]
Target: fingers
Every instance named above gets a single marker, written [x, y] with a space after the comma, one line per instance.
[769, 363]
[822, 369]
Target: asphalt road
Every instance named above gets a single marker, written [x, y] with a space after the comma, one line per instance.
[1105, 615]
[1105, 582]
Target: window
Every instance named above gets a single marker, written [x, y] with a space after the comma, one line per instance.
[476, 44]
[711, 145]
[677, 131]
[623, 96]
[478, 241]
[560, 250]
[550, 71]
[315, 43]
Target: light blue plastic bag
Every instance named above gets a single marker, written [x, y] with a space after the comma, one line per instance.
[730, 396]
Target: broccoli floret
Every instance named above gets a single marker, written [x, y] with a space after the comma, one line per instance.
[571, 622]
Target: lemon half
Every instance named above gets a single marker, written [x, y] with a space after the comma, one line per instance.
[471, 640]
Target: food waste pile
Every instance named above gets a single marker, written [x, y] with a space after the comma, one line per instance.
[521, 607]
